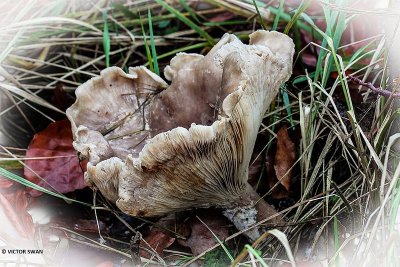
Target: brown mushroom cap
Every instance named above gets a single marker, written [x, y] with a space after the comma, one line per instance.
[195, 138]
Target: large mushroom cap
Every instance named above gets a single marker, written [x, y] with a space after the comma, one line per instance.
[156, 151]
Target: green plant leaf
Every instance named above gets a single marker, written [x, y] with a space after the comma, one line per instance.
[146, 45]
[259, 16]
[278, 15]
[106, 39]
[124, 10]
[187, 21]
[152, 44]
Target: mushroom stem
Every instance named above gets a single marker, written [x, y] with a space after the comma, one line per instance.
[253, 210]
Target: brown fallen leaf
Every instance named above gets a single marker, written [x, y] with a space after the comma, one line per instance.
[255, 169]
[278, 191]
[162, 235]
[204, 227]
[158, 241]
[223, 16]
[285, 158]
[61, 99]
[61, 170]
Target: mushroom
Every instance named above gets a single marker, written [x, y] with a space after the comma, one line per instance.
[154, 149]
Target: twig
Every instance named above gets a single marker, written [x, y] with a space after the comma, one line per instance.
[377, 90]
[134, 248]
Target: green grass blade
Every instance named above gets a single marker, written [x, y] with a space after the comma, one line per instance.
[322, 54]
[256, 254]
[187, 21]
[383, 131]
[218, 240]
[27, 183]
[188, 9]
[225, 23]
[294, 19]
[182, 49]
[259, 15]
[302, 78]
[152, 44]
[124, 10]
[277, 16]
[340, 24]
[146, 45]
[336, 236]
[333, 45]
[283, 15]
[106, 39]
[357, 55]
[286, 102]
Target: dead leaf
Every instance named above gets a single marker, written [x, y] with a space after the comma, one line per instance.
[61, 99]
[285, 158]
[278, 191]
[202, 236]
[223, 16]
[61, 171]
[162, 235]
[255, 169]
[158, 241]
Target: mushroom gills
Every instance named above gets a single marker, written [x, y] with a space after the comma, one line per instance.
[154, 149]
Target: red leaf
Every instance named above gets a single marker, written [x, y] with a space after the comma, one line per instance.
[61, 172]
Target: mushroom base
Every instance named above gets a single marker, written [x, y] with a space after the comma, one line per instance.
[253, 211]
[244, 218]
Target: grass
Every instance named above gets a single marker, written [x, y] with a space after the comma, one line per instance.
[152, 45]
[23, 181]
[344, 171]
[106, 39]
